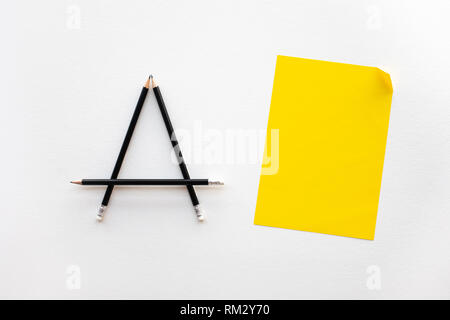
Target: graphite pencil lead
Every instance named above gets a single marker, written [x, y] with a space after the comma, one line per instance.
[76, 182]
[147, 83]
[154, 85]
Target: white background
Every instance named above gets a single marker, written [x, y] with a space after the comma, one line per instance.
[69, 84]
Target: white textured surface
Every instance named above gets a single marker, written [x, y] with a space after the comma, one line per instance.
[66, 100]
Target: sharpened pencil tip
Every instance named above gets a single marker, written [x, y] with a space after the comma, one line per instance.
[153, 81]
[76, 182]
[147, 83]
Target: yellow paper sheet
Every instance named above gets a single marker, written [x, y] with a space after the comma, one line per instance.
[329, 123]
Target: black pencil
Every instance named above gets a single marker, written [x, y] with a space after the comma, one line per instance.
[147, 182]
[123, 149]
[176, 147]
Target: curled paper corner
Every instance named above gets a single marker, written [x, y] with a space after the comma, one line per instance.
[386, 77]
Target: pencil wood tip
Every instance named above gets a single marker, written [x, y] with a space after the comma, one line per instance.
[147, 83]
[76, 182]
[154, 85]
